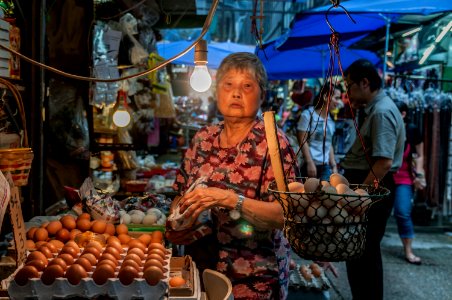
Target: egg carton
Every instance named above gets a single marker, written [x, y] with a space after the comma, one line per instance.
[297, 281]
[87, 288]
[61, 288]
[196, 286]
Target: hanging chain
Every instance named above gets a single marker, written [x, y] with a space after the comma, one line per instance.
[258, 33]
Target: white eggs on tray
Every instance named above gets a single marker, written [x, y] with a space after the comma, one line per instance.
[152, 216]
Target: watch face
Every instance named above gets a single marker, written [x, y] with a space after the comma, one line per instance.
[234, 214]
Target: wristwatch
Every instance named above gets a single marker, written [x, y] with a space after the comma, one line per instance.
[236, 213]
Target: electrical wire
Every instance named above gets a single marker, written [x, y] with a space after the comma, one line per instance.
[205, 28]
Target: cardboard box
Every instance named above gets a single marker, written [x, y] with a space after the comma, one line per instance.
[4, 43]
[10, 201]
[4, 63]
[198, 294]
[4, 35]
[4, 73]
[183, 267]
[4, 25]
[5, 55]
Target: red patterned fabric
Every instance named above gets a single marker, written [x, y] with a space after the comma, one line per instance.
[256, 261]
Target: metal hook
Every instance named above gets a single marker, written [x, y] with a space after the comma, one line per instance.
[3, 95]
[335, 3]
[2, 100]
[335, 6]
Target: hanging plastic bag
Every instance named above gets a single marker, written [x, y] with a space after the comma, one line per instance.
[137, 54]
[105, 62]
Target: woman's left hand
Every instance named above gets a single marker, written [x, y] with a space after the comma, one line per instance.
[201, 199]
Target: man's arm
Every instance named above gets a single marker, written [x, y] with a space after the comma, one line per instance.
[380, 168]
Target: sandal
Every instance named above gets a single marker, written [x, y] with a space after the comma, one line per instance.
[413, 259]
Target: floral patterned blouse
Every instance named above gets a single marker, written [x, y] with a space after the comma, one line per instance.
[256, 260]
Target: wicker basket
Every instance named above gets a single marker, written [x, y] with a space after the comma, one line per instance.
[17, 161]
[327, 227]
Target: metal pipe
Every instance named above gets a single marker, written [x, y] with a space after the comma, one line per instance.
[388, 26]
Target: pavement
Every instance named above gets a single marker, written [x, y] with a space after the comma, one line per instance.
[402, 281]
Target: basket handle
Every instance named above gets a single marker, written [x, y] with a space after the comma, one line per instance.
[16, 94]
[273, 150]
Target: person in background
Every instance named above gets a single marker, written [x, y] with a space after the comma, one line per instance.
[231, 162]
[378, 159]
[318, 151]
[409, 176]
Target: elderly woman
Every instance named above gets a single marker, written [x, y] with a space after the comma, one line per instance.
[231, 161]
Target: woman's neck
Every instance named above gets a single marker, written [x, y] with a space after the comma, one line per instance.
[234, 132]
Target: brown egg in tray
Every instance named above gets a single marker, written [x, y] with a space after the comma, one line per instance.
[123, 271]
[309, 277]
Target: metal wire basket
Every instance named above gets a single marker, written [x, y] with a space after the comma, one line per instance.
[327, 227]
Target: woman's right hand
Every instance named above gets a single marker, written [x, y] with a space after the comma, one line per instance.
[312, 169]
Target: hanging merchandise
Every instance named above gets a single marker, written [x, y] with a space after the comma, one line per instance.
[134, 52]
[161, 88]
[150, 13]
[105, 63]
[69, 137]
[155, 78]
[7, 7]
[430, 110]
[14, 43]
[165, 108]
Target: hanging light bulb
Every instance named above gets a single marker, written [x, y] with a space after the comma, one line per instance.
[121, 117]
[200, 79]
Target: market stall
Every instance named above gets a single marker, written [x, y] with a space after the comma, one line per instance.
[109, 185]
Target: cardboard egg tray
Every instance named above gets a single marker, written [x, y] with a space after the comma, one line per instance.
[297, 281]
[138, 289]
[196, 284]
[183, 267]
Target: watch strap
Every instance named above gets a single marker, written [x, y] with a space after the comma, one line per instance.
[238, 206]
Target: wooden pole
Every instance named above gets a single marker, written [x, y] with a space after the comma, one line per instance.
[275, 156]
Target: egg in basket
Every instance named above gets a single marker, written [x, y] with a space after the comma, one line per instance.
[326, 220]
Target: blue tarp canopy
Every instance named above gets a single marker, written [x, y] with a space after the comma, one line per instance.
[402, 7]
[216, 52]
[297, 53]
[311, 62]
[309, 28]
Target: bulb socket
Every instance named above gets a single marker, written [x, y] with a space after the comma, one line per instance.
[201, 52]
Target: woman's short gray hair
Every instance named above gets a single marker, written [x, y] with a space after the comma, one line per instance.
[243, 61]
